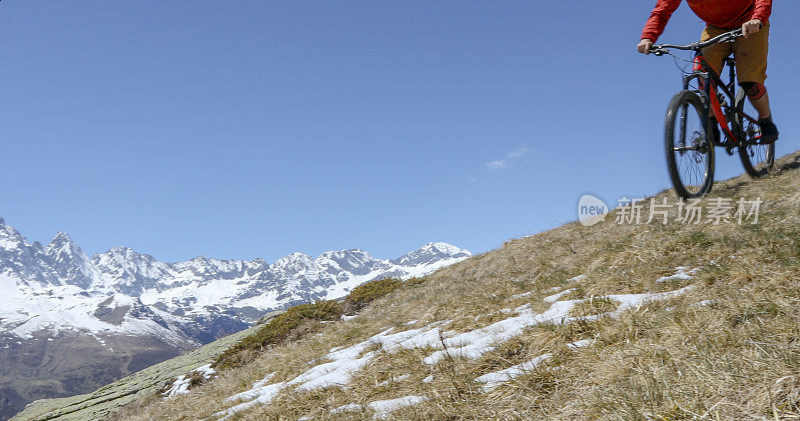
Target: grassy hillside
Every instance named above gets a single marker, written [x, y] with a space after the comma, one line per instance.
[612, 321]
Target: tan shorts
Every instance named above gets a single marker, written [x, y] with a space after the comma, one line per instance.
[750, 53]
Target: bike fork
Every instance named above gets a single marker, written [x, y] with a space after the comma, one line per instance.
[682, 141]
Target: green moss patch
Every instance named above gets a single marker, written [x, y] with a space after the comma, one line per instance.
[369, 292]
[295, 322]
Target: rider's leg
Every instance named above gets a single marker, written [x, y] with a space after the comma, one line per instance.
[769, 131]
[715, 54]
[751, 65]
[758, 96]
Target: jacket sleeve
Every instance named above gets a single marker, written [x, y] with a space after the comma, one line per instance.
[762, 10]
[660, 16]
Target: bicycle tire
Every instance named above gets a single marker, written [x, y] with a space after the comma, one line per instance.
[748, 152]
[702, 146]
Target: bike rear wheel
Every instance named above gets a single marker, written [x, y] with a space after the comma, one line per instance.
[688, 145]
[757, 159]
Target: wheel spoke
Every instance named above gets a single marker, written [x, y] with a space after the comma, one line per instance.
[690, 150]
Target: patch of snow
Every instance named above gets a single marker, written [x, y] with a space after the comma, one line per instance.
[345, 362]
[335, 373]
[259, 396]
[182, 383]
[384, 408]
[555, 297]
[179, 387]
[552, 290]
[264, 380]
[496, 378]
[346, 317]
[580, 344]
[631, 301]
[350, 407]
[428, 336]
[475, 343]
[428, 379]
[681, 273]
[206, 371]
[413, 322]
[523, 295]
[516, 310]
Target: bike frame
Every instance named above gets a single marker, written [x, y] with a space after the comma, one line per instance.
[710, 84]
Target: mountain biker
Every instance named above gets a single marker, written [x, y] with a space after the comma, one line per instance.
[750, 51]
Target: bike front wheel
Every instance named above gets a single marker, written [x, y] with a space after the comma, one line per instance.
[757, 159]
[688, 145]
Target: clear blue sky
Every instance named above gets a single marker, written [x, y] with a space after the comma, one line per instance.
[251, 129]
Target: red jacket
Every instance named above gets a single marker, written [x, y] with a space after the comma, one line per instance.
[726, 14]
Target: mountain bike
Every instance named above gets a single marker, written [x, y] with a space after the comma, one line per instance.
[695, 115]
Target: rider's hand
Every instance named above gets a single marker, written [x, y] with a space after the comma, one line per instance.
[751, 27]
[644, 46]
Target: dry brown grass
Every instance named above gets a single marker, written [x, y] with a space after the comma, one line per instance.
[737, 357]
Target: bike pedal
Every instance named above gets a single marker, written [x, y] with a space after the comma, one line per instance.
[728, 145]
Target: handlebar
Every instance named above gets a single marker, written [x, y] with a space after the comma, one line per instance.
[731, 36]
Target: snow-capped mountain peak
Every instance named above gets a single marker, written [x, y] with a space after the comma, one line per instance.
[10, 238]
[444, 248]
[61, 237]
[354, 261]
[22, 261]
[69, 261]
[293, 263]
[128, 271]
[430, 253]
[62, 247]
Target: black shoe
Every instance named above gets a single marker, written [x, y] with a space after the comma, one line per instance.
[769, 132]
